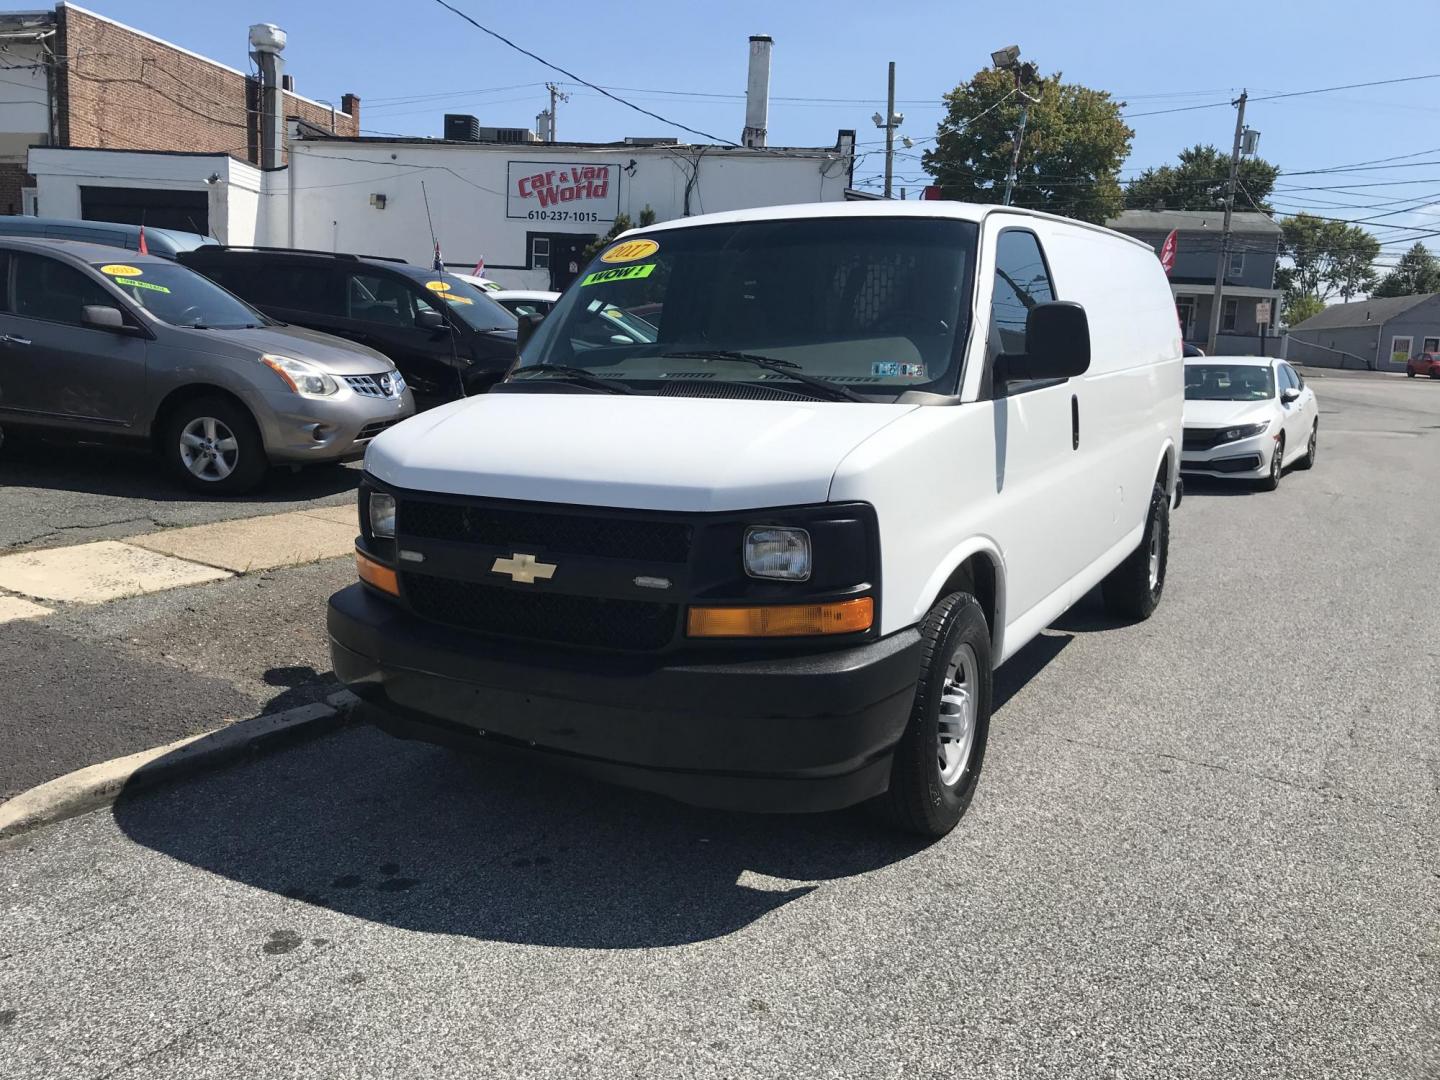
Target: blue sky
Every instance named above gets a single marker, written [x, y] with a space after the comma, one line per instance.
[1153, 55]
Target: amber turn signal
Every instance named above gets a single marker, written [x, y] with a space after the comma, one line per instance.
[782, 620]
[376, 574]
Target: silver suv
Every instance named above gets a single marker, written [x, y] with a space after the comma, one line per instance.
[107, 343]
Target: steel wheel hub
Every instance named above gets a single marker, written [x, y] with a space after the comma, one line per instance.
[958, 707]
[1154, 555]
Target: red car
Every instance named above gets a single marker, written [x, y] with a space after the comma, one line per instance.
[1424, 364]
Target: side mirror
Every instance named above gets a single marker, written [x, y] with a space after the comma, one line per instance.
[103, 317]
[1057, 344]
[1289, 394]
[430, 320]
[525, 328]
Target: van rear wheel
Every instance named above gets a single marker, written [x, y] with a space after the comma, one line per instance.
[1133, 589]
[937, 761]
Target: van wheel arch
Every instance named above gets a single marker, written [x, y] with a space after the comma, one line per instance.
[979, 576]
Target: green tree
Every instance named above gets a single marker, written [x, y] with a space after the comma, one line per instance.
[1070, 157]
[1326, 258]
[1199, 181]
[1299, 308]
[1417, 271]
[622, 224]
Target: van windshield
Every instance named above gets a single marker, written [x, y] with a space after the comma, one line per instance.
[1229, 382]
[873, 306]
[177, 295]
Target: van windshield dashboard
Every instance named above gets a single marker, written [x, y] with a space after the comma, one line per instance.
[875, 307]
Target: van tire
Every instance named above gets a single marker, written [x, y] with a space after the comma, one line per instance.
[1133, 589]
[920, 799]
[249, 464]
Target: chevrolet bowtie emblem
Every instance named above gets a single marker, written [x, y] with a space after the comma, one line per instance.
[523, 568]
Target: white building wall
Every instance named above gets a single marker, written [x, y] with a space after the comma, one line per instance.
[469, 191]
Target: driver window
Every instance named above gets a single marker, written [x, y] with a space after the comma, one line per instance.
[1022, 281]
[50, 290]
[383, 300]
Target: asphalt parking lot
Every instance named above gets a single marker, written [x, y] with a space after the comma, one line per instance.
[1204, 846]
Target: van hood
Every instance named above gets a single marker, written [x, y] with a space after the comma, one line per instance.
[1224, 413]
[641, 452]
[332, 354]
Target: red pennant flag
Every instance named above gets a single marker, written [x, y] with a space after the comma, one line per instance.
[143, 249]
[1167, 251]
[480, 267]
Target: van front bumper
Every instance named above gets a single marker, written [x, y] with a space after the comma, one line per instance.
[786, 733]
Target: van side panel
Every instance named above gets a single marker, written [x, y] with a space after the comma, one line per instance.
[1131, 399]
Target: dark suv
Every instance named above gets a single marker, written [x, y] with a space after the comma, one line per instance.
[448, 338]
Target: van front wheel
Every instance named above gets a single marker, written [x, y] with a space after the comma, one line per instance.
[1132, 590]
[937, 761]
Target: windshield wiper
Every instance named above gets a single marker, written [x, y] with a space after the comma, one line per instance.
[575, 374]
[788, 368]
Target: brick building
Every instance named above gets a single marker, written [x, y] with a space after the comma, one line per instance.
[79, 80]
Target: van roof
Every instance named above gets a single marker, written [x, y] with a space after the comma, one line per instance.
[919, 208]
[81, 249]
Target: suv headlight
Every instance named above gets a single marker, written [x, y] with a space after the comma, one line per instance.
[777, 553]
[382, 515]
[1245, 431]
[304, 379]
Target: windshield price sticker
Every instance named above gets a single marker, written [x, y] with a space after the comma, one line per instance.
[121, 270]
[894, 369]
[620, 273]
[437, 286]
[457, 299]
[630, 251]
[132, 283]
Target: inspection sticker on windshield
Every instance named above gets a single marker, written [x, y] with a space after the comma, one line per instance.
[620, 273]
[141, 284]
[630, 251]
[894, 369]
[121, 270]
[437, 286]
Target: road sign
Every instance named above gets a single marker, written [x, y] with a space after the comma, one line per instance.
[1167, 252]
[1262, 311]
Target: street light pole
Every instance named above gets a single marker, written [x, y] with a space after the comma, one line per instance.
[1223, 261]
[890, 131]
[1019, 138]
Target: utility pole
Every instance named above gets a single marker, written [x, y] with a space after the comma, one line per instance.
[1019, 138]
[1222, 263]
[556, 95]
[890, 131]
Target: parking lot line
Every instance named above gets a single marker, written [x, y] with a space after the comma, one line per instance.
[97, 572]
[259, 543]
[13, 607]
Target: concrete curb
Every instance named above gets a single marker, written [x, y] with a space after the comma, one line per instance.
[100, 785]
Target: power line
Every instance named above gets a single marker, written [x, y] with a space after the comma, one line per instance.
[584, 82]
[1287, 94]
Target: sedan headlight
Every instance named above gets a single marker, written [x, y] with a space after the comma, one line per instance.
[1245, 431]
[382, 515]
[304, 379]
[777, 553]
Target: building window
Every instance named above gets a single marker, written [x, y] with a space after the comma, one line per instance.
[539, 253]
[1185, 311]
[1228, 315]
[1237, 263]
[1431, 345]
[1400, 349]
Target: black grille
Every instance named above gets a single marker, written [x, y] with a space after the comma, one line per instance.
[637, 539]
[588, 621]
[1202, 438]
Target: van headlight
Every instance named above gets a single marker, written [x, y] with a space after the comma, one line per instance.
[778, 553]
[382, 515]
[304, 379]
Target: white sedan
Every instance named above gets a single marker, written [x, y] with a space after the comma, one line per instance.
[1247, 417]
[526, 301]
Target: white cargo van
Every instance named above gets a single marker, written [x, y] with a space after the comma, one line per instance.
[766, 553]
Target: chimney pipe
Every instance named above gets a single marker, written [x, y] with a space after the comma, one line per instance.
[757, 91]
[267, 42]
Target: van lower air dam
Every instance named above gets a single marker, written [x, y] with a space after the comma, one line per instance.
[784, 485]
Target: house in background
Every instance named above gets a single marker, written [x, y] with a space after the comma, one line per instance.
[1380, 333]
[1250, 301]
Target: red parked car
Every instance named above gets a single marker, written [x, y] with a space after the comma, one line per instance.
[1424, 364]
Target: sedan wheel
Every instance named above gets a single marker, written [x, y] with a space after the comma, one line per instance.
[213, 445]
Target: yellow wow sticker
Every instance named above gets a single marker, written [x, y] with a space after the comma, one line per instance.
[437, 286]
[121, 270]
[629, 251]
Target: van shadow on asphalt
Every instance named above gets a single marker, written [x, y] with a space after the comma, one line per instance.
[421, 838]
[133, 473]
